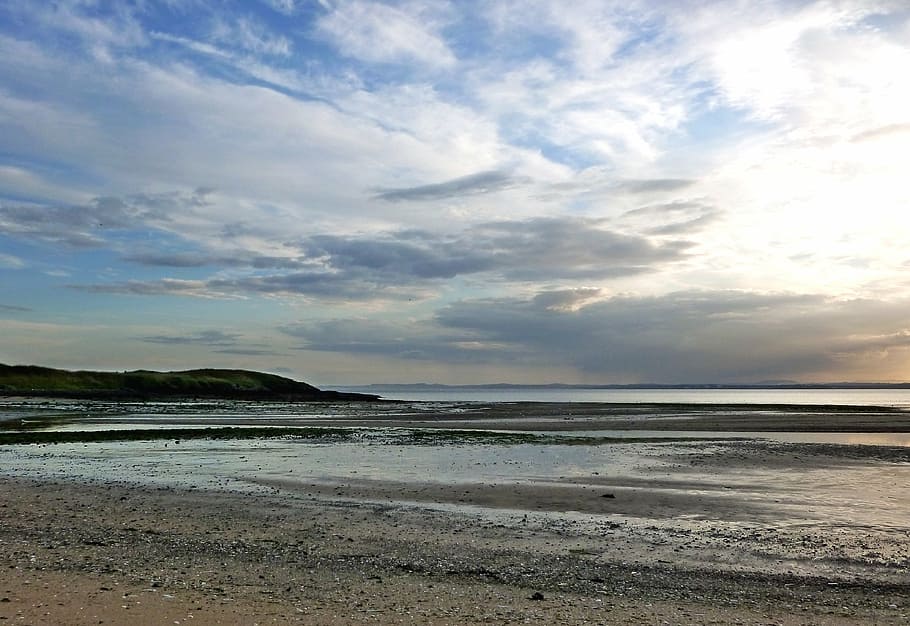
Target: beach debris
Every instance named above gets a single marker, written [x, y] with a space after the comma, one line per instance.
[536, 596]
[608, 495]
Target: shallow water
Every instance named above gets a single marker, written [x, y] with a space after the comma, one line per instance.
[873, 494]
[858, 439]
[840, 510]
[74, 416]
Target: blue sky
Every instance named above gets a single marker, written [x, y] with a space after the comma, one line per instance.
[458, 192]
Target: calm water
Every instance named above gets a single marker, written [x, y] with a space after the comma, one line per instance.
[861, 397]
[73, 415]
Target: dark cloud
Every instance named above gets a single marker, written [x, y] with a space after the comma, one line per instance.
[349, 285]
[538, 249]
[685, 227]
[405, 264]
[162, 287]
[199, 259]
[602, 187]
[565, 299]
[177, 259]
[414, 340]
[652, 185]
[85, 226]
[673, 218]
[205, 338]
[667, 209]
[11, 308]
[559, 248]
[722, 336]
[248, 352]
[480, 183]
[226, 343]
[428, 257]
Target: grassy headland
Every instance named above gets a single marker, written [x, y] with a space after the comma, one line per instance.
[32, 380]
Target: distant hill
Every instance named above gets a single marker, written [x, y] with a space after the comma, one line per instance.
[32, 380]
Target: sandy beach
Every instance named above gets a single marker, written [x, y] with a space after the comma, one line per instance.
[737, 531]
[78, 554]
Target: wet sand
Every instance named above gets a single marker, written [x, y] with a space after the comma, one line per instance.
[546, 416]
[515, 416]
[747, 532]
[89, 554]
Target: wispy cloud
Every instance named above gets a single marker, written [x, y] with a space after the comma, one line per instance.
[672, 218]
[84, 226]
[286, 7]
[400, 264]
[380, 33]
[480, 183]
[252, 36]
[204, 337]
[657, 184]
[162, 287]
[881, 131]
[11, 262]
[219, 341]
[12, 308]
[344, 154]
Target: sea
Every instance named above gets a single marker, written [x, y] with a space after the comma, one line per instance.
[899, 398]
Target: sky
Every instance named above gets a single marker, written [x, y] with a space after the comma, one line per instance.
[475, 191]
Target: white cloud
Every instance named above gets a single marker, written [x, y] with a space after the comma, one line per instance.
[251, 36]
[8, 261]
[100, 35]
[191, 44]
[380, 33]
[770, 135]
[22, 182]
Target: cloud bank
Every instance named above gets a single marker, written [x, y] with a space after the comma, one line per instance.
[519, 190]
[681, 337]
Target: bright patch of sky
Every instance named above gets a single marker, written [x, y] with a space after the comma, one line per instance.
[360, 191]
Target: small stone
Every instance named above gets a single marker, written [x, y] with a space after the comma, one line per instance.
[608, 495]
[537, 596]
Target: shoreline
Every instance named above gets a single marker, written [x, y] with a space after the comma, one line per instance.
[165, 554]
[455, 528]
[528, 417]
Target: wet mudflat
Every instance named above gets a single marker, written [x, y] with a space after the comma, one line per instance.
[458, 531]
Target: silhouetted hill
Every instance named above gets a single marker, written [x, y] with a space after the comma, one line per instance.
[32, 380]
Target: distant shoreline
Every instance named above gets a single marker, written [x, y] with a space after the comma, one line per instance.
[636, 386]
[535, 417]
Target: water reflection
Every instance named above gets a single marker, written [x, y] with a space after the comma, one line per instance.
[63, 415]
